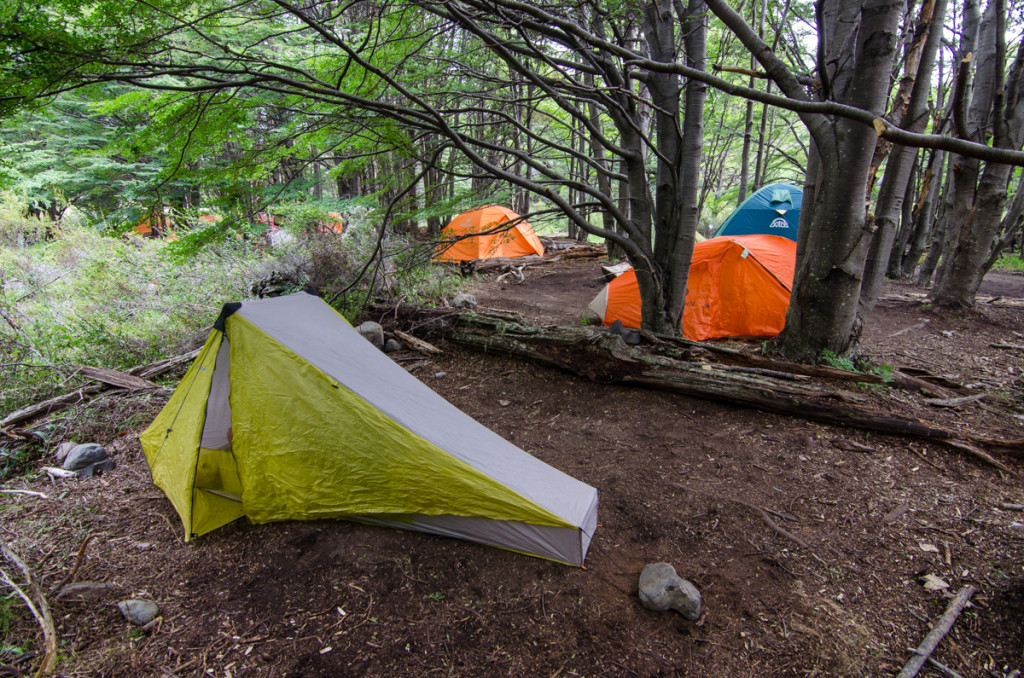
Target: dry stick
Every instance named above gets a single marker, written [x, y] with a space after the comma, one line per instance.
[935, 636]
[28, 492]
[40, 612]
[944, 669]
[70, 577]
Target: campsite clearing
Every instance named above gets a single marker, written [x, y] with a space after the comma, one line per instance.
[681, 480]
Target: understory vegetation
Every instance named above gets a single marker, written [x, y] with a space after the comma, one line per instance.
[70, 296]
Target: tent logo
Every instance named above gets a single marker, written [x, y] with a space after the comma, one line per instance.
[779, 222]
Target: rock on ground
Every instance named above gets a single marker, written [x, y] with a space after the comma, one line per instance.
[138, 612]
[662, 589]
[84, 455]
[372, 332]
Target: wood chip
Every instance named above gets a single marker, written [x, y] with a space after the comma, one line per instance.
[894, 515]
[852, 446]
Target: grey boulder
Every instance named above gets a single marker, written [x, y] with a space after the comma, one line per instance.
[372, 332]
[662, 589]
[84, 455]
[463, 300]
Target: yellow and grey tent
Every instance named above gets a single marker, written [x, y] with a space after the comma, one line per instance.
[289, 413]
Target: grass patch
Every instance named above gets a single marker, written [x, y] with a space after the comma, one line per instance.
[1009, 263]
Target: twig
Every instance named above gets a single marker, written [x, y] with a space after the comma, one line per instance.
[772, 524]
[943, 668]
[29, 492]
[54, 472]
[40, 611]
[70, 577]
[935, 636]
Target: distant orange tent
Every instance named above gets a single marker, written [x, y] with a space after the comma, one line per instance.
[515, 241]
[739, 286]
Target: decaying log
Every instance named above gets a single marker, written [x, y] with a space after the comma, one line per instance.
[921, 298]
[61, 402]
[955, 402]
[115, 378]
[904, 379]
[506, 263]
[585, 252]
[604, 358]
[938, 632]
[417, 344]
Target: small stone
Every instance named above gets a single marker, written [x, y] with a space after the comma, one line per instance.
[138, 612]
[440, 375]
[463, 300]
[62, 451]
[143, 546]
[504, 403]
[662, 589]
[372, 332]
[392, 345]
[84, 455]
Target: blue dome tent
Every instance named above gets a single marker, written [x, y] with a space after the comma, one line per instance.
[772, 210]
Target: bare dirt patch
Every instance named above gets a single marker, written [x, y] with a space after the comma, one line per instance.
[677, 477]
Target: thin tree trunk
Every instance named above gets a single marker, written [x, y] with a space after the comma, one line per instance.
[913, 98]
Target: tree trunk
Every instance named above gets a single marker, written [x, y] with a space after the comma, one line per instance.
[913, 99]
[822, 314]
[924, 218]
[997, 109]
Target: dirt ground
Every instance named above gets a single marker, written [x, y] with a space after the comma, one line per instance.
[678, 478]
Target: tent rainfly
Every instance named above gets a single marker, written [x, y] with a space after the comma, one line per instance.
[738, 287]
[289, 413]
[498, 239]
[771, 210]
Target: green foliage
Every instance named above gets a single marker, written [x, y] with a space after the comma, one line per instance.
[11, 610]
[839, 362]
[85, 299]
[856, 365]
[17, 228]
[1009, 263]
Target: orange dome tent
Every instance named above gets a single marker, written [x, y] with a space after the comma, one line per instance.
[515, 241]
[738, 286]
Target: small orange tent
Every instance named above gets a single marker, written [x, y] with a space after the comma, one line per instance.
[515, 241]
[738, 286]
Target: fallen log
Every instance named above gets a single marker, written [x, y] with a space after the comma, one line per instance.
[52, 405]
[603, 357]
[123, 380]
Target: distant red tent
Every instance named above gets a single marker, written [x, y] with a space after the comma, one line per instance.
[738, 286]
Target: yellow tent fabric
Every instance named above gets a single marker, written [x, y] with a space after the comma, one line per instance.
[171, 446]
[514, 241]
[384, 469]
[289, 413]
